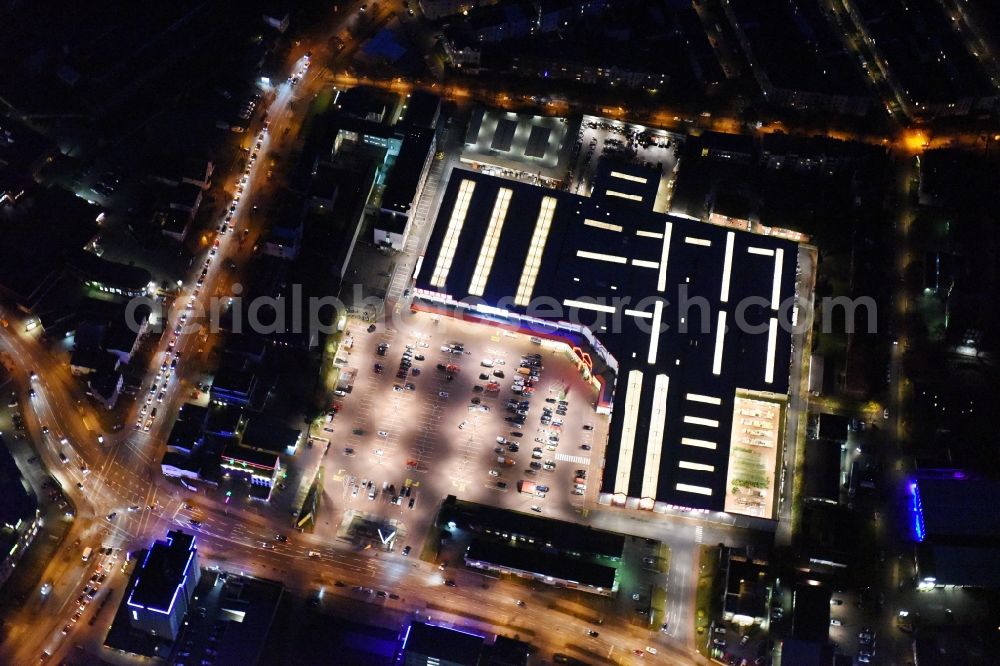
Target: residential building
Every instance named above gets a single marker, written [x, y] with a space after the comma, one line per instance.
[813, 154]
[724, 147]
[109, 277]
[407, 176]
[435, 9]
[182, 206]
[106, 387]
[421, 109]
[270, 435]
[797, 59]
[236, 383]
[34, 264]
[283, 241]
[23, 152]
[390, 230]
[277, 15]
[173, 171]
[107, 334]
[920, 52]
[591, 71]
[235, 615]
[19, 514]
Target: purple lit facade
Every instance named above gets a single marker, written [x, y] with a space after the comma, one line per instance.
[164, 585]
[426, 644]
[917, 513]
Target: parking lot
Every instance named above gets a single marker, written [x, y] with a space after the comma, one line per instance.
[444, 427]
[598, 137]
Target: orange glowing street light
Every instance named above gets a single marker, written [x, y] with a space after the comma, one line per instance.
[915, 141]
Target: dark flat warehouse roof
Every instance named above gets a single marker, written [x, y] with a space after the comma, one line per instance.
[822, 469]
[503, 137]
[610, 264]
[401, 186]
[422, 109]
[442, 643]
[561, 567]
[269, 434]
[560, 535]
[833, 426]
[538, 141]
[948, 511]
[811, 613]
[967, 566]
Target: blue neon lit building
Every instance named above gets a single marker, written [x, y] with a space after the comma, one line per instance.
[917, 513]
[165, 583]
[956, 530]
[427, 644]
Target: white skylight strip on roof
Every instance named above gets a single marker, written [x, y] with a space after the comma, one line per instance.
[533, 262]
[661, 282]
[622, 195]
[727, 267]
[697, 420]
[603, 225]
[772, 340]
[688, 488]
[584, 305]
[455, 224]
[693, 240]
[487, 253]
[720, 336]
[628, 176]
[698, 467]
[700, 443]
[654, 332]
[600, 256]
[764, 251]
[707, 399]
[643, 263]
[627, 444]
[654, 442]
[779, 256]
[639, 313]
[648, 234]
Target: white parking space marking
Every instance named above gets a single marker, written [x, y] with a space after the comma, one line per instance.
[578, 460]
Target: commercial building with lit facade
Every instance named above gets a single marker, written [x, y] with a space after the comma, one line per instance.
[684, 323]
[164, 585]
[426, 644]
[550, 551]
[955, 546]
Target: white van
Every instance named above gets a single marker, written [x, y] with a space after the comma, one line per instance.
[486, 363]
[87, 553]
